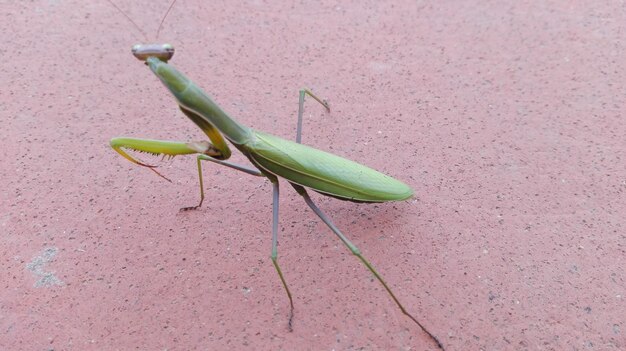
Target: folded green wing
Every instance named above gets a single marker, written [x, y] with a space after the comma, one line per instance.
[324, 172]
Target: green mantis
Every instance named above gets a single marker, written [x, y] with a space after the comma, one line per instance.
[301, 166]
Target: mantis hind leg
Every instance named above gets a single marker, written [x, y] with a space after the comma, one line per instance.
[355, 251]
[301, 110]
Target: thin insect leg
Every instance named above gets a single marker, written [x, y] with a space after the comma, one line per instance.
[198, 159]
[238, 167]
[242, 168]
[274, 256]
[357, 253]
[301, 111]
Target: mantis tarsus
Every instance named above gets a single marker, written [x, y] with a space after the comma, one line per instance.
[271, 157]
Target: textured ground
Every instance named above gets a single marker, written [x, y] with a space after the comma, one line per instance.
[506, 118]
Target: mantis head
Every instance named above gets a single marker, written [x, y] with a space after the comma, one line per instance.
[163, 52]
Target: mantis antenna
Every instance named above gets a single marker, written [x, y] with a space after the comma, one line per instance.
[137, 26]
[163, 19]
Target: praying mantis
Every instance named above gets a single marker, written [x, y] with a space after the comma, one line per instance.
[271, 157]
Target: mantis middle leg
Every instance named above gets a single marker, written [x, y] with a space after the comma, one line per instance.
[242, 168]
[275, 196]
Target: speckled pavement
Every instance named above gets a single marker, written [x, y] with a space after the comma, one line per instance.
[507, 118]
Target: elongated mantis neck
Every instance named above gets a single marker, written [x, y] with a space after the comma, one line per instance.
[191, 98]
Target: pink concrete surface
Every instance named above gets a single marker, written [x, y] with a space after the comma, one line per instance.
[507, 118]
